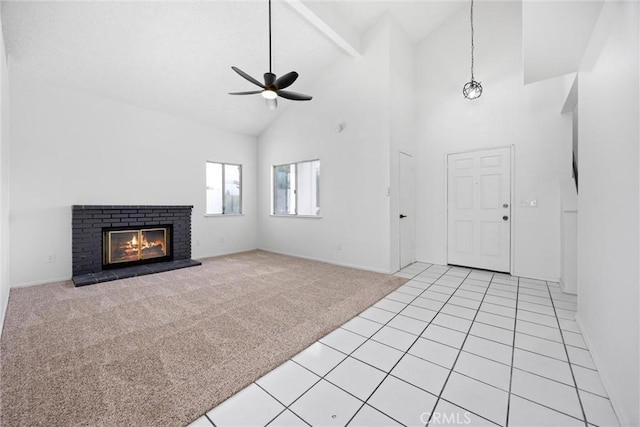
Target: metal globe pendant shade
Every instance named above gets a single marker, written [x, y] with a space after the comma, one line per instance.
[472, 90]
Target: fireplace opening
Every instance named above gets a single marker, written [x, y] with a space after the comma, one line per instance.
[133, 246]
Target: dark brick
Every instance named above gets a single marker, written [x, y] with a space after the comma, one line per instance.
[88, 222]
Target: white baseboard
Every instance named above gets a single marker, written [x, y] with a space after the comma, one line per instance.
[41, 282]
[563, 287]
[3, 311]
[341, 264]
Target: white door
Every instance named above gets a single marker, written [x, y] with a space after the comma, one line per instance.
[479, 209]
[407, 211]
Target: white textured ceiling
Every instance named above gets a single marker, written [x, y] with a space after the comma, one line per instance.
[175, 56]
[169, 56]
[418, 18]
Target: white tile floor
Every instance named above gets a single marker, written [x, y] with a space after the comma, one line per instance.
[453, 346]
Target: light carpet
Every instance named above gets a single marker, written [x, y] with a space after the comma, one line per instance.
[161, 350]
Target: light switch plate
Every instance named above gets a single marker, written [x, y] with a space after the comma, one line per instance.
[529, 203]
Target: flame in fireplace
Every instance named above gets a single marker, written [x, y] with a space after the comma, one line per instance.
[150, 244]
[135, 245]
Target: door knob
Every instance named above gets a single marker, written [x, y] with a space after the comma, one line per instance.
[402, 216]
[504, 218]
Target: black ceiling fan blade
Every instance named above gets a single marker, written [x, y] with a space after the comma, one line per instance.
[294, 96]
[251, 92]
[247, 76]
[286, 80]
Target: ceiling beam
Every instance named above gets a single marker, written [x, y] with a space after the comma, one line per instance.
[322, 16]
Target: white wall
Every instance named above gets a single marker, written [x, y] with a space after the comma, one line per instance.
[71, 148]
[4, 181]
[608, 212]
[402, 116]
[354, 164]
[555, 34]
[508, 113]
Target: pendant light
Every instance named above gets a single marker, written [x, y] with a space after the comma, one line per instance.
[472, 89]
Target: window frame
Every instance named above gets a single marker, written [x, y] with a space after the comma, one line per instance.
[240, 189]
[297, 179]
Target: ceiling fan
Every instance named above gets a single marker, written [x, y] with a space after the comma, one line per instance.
[273, 86]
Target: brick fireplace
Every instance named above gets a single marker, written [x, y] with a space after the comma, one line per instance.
[110, 242]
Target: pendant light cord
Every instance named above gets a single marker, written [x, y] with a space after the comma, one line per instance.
[472, 45]
[270, 36]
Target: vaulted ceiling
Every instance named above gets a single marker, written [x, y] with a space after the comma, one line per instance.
[176, 56]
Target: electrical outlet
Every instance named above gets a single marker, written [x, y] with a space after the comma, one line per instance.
[222, 240]
[197, 242]
[339, 246]
[51, 257]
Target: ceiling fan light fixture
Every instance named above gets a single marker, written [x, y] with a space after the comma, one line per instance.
[273, 86]
[272, 104]
[269, 94]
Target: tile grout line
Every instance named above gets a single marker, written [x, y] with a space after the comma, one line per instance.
[444, 304]
[564, 344]
[548, 407]
[449, 346]
[544, 355]
[459, 352]
[513, 352]
[502, 343]
[500, 327]
[323, 377]
[286, 407]
[466, 410]
[388, 373]
[550, 316]
[523, 333]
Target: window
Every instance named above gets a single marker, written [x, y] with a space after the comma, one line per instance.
[224, 189]
[296, 189]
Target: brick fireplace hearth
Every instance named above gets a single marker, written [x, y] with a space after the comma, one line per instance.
[90, 221]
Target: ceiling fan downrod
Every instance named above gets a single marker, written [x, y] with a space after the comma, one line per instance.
[272, 87]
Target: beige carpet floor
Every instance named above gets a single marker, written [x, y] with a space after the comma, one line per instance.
[161, 350]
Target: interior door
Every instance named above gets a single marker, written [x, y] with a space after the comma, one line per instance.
[407, 211]
[479, 209]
